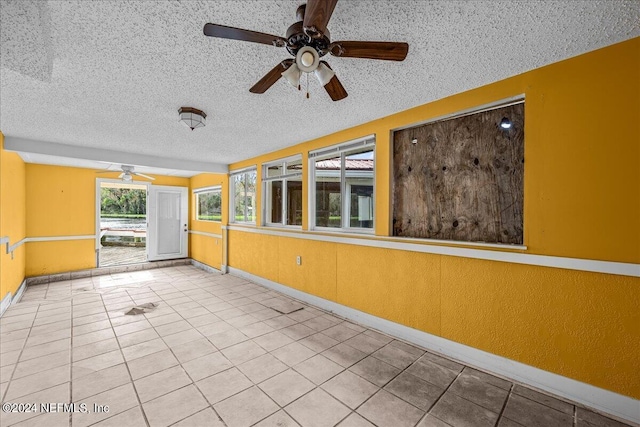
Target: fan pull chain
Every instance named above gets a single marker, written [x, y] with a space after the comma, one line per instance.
[307, 85]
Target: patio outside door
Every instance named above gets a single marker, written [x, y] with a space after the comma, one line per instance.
[168, 232]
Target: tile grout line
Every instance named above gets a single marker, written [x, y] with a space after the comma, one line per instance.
[24, 345]
[180, 363]
[504, 405]
[71, 363]
[174, 355]
[233, 363]
[443, 393]
[236, 366]
[144, 415]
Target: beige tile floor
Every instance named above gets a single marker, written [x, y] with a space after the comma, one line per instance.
[213, 354]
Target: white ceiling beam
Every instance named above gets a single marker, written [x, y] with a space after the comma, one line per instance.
[23, 145]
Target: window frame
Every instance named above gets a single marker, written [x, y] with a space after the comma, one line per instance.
[283, 178]
[342, 150]
[232, 195]
[206, 190]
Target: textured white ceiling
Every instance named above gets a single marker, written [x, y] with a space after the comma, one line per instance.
[112, 74]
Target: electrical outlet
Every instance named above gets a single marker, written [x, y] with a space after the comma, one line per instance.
[299, 260]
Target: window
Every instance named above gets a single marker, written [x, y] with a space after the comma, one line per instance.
[243, 192]
[342, 185]
[282, 183]
[208, 204]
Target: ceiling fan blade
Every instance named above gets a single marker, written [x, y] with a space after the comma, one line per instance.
[271, 77]
[334, 88]
[224, 32]
[144, 176]
[317, 15]
[390, 51]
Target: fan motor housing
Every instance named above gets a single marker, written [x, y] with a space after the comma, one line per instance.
[296, 39]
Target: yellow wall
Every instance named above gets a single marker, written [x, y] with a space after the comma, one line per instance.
[582, 200]
[12, 219]
[582, 152]
[61, 201]
[207, 249]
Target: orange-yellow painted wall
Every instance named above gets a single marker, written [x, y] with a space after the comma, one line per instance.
[61, 201]
[202, 248]
[12, 219]
[582, 152]
[582, 200]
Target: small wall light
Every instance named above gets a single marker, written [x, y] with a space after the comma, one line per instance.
[414, 140]
[505, 123]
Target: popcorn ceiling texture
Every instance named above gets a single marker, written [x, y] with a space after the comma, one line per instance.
[112, 74]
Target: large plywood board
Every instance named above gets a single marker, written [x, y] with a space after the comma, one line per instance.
[463, 179]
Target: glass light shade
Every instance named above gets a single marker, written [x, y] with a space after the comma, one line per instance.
[126, 177]
[324, 74]
[192, 117]
[292, 74]
[307, 59]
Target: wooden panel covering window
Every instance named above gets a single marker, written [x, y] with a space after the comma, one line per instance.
[461, 179]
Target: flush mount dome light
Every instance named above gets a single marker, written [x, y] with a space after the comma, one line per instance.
[192, 117]
[505, 123]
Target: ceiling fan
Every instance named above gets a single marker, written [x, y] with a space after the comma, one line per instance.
[308, 40]
[128, 173]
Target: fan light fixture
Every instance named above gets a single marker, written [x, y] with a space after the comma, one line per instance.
[192, 117]
[308, 61]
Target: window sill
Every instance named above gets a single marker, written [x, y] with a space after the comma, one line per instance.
[283, 227]
[243, 224]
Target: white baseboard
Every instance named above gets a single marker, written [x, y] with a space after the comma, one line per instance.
[10, 299]
[5, 303]
[205, 267]
[605, 401]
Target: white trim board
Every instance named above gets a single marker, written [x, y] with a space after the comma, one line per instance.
[25, 145]
[10, 299]
[615, 404]
[5, 303]
[206, 267]
[512, 100]
[44, 239]
[608, 267]
[204, 233]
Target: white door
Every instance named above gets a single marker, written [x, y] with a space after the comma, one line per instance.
[168, 234]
